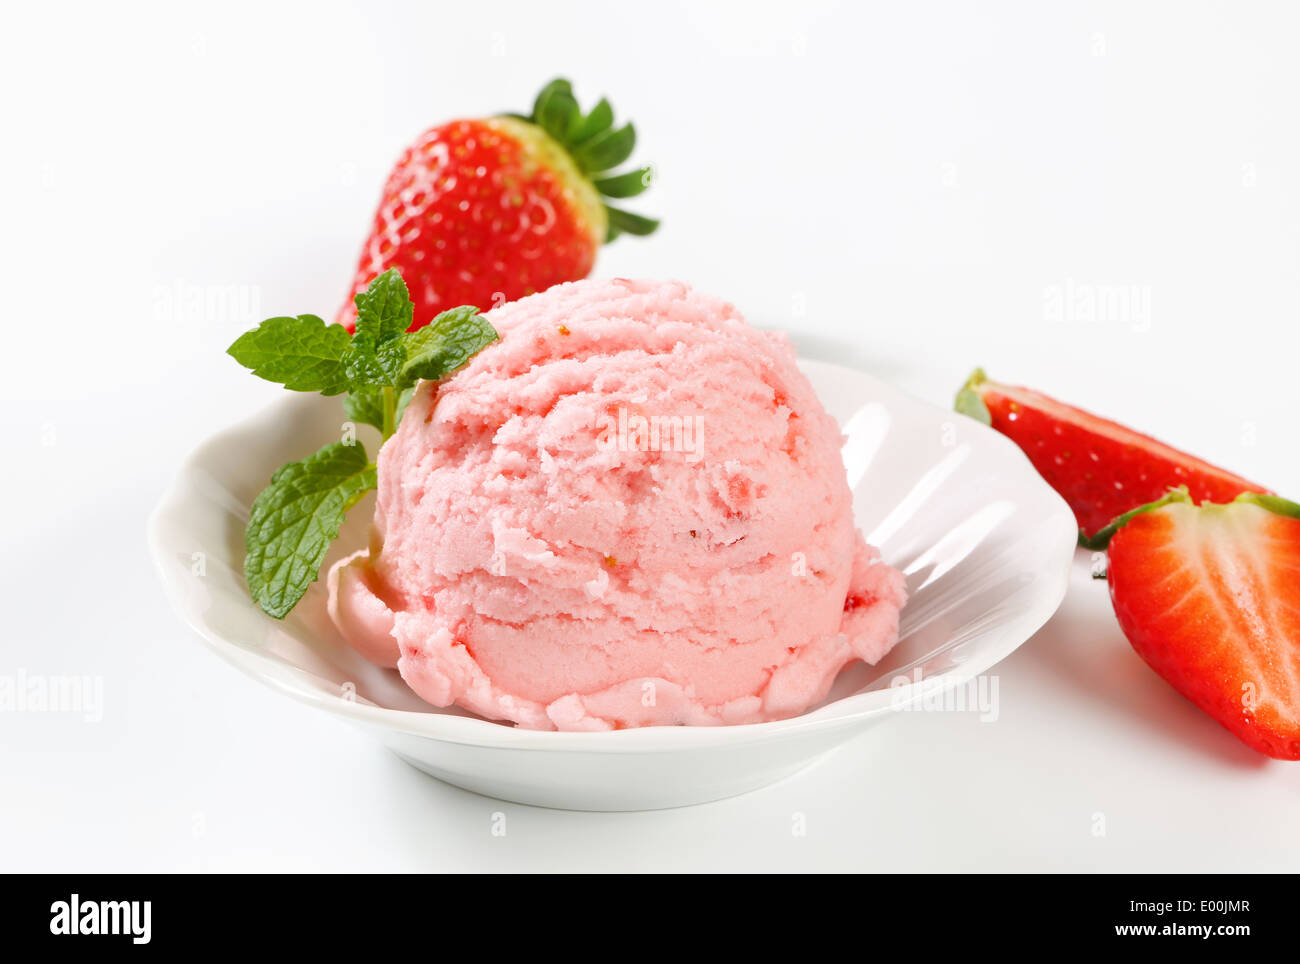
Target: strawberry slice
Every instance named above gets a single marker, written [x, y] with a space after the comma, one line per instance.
[1209, 597]
[1099, 467]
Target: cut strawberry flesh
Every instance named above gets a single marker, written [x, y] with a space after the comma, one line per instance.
[1099, 467]
[1209, 597]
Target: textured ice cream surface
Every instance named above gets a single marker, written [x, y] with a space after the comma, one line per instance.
[630, 510]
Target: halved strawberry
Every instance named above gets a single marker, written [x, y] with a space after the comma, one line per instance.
[1099, 467]
[1209, 597]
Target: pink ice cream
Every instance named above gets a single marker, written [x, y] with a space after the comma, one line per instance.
[631, 510]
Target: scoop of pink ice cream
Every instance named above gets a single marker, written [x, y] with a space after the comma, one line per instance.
[630, 510]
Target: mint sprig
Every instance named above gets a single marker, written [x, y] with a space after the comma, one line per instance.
[298, 515]
[302, 354]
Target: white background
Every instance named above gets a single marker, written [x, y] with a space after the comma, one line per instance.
[906, 187]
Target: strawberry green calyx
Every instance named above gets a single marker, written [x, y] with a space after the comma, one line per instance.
[596, 147]
[1101, 538]
[968, 400]
[1271, 503]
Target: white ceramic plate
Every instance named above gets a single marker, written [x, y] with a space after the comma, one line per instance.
[985, 544]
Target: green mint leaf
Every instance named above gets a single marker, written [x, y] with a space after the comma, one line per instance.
[384, 309]
[303, 353]
[296, 517]
[367, 405]
[384, 312]
[445, 344]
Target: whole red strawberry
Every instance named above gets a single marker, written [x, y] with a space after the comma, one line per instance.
[477, 212]
[1101, 468]
[1209, 597]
